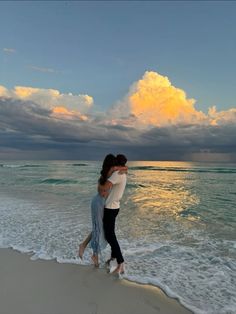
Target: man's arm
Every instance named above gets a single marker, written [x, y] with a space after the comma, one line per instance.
[120, 169]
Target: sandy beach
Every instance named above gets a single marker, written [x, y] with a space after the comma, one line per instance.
[47, 287]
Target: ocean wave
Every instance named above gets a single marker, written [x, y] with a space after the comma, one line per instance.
[10, 166]
[178, 169]
[78, 165]
[21, 166]
[58, 181]
[135, 185]
[33, 166]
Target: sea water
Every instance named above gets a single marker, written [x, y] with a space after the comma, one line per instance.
[176, 225]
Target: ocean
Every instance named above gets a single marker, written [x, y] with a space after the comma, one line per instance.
[176, 226]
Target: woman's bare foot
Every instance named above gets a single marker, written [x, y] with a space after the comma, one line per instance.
[81, 250]
[95, 260]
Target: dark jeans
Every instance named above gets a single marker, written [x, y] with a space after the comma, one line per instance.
[109, 220]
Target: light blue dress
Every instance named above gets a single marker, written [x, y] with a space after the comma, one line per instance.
[98, 241]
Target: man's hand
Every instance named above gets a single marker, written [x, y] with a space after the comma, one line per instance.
[121, 169]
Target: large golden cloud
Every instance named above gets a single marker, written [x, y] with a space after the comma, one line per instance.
[153, 101]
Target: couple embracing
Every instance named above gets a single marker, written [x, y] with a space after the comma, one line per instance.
[104, 210]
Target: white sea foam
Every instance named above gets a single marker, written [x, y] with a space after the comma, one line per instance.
[183, 276]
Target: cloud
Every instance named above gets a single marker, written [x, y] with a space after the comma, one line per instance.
[26, 119]
[222, 117]
[69, 104]
[41, 69]
[3, 91]
[154, 101]
[62, 112]
[9, 50]
[155, 120]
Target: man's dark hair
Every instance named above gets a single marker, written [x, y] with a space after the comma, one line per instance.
[121, 160]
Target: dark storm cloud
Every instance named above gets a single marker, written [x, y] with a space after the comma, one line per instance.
[193, 136]
[177, 142]
[26, 126]
[29, 127]
[29, 119]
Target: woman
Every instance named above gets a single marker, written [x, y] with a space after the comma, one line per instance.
[96, 237]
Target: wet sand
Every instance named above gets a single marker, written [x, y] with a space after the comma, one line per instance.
[47, 287]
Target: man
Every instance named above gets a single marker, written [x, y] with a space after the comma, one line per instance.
[116, 183]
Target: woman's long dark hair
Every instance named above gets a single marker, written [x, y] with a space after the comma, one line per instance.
[109, 161]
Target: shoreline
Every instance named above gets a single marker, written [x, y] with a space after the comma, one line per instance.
[49, 287]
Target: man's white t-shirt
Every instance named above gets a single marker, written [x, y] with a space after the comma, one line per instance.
[116, 193]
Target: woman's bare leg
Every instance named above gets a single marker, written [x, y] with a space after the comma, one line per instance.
[83, 245]
[95, 260]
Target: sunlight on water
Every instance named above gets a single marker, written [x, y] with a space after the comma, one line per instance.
[158, 198]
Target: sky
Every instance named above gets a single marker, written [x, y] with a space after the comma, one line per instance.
[154, 80]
